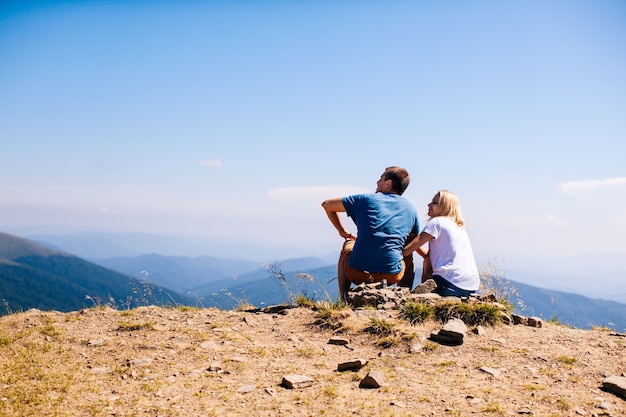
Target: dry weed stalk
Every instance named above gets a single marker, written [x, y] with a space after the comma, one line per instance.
[493, 281]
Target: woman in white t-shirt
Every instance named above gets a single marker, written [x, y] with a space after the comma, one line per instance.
[449, 251]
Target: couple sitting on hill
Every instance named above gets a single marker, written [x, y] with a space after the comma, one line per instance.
[388, 234]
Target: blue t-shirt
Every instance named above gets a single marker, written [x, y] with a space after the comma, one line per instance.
[384, 221]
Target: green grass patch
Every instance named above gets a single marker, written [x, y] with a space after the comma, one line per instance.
[131, 327]
[472, 314]
[416, 311]
[378, 327]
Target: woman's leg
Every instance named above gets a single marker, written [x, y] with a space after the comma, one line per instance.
[427, 269]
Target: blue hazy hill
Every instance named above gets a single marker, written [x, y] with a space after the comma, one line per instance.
[34, 276]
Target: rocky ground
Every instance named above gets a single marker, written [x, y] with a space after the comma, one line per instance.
[154, 361]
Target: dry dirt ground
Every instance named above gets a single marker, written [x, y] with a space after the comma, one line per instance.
[154, 361]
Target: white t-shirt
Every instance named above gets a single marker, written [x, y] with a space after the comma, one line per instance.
[451, 253]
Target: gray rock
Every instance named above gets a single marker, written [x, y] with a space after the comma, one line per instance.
[377, 295]
[374, 379]
[416, 348]
[430, 286]
[492, 371]
[95, 342]
[425, 296]
[215, 367]
[140, 362]
[519, 319]
[244, 389]
[616, 385]
[528, 321]
[336, 340]
[353, 365]
[297, 381]
[453, 332]
[209, 345]
[369, 313]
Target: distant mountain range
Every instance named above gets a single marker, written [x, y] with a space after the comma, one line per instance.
[249, 282]
[180, 273]
[33, 275]
[100, 245]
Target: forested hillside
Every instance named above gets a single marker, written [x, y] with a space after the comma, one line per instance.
[32, 276]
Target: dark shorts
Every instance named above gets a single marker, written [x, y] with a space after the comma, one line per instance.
[446, 289]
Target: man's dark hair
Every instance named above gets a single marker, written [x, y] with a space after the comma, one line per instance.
[399, 177]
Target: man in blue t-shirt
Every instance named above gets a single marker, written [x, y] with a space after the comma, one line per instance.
[385, 223]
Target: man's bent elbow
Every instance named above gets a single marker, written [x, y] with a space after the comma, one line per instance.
[327, 204]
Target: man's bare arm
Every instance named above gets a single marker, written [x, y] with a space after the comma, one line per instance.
[333, 207]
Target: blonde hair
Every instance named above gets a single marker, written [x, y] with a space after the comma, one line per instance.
[449, 206]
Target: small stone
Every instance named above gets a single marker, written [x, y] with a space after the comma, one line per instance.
[215, 367]
[374, 379]
[336, 340]
[519, 319]
[430, 286]
[95, 342]
[353, 365]
[492, 371]
[452, 332]
[140, 362]
[535, 322]
[244, 389]
[297, 381]
[209, 345]
[616, 385]
[425, 296]
[251, 321]
[416, 348]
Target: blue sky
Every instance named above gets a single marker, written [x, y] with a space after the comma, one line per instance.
[234, 120]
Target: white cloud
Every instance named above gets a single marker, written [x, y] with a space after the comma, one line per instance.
[298, 194]
[105, 210]
[557, 221]
[214, 163]
[573, 186]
